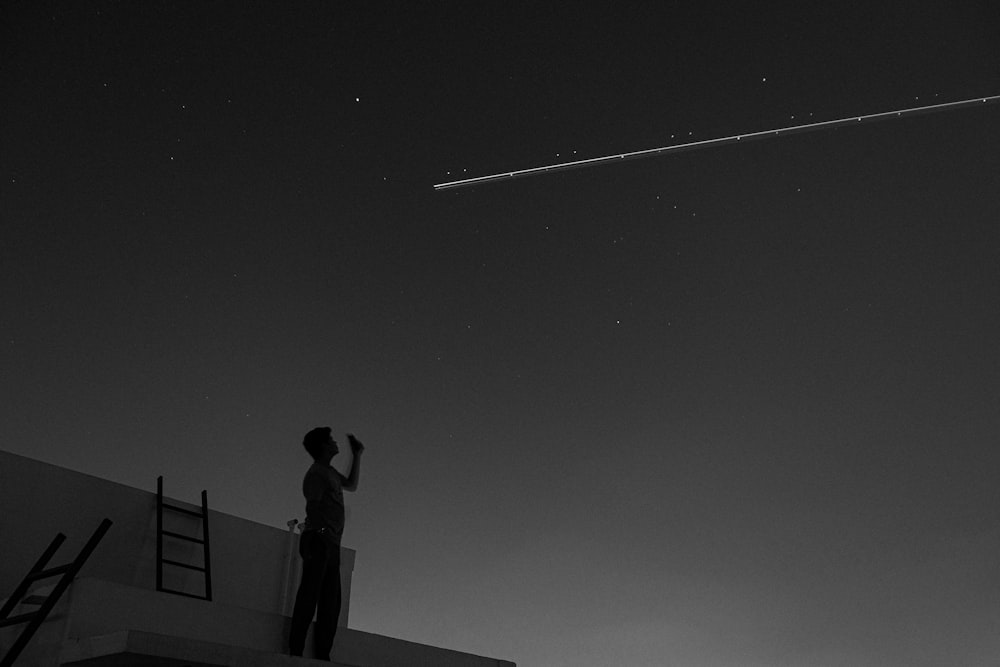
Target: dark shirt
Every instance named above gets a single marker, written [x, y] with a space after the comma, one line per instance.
[324, 500]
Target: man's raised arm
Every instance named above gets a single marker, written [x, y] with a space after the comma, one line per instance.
[351, 483]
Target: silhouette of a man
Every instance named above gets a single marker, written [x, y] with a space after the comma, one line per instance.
[319, 544]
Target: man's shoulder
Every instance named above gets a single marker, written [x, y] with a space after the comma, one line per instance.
[317, 470]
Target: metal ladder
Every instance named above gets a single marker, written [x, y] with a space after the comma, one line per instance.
[34, 619]
[206, 566]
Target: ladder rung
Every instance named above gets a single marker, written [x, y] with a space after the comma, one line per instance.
[183, 510]
[190, 567]
[51, 572]
[183, 537]
[190, 595]
[35, 619]
[20, 618]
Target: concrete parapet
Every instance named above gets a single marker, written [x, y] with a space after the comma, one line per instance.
[107, 623]
[39, 500]
[113, 616]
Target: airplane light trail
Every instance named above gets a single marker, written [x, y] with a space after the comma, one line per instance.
[736, 138]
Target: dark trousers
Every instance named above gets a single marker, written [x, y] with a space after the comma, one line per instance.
[319, 592]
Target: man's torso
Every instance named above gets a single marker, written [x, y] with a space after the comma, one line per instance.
[324, 500]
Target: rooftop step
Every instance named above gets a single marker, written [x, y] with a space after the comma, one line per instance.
[101, 623]
[147, 649]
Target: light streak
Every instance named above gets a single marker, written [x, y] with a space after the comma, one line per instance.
[707, 143]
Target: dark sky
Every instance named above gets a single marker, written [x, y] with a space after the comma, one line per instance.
[729, 407]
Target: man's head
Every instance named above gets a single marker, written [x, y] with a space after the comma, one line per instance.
[320, 444]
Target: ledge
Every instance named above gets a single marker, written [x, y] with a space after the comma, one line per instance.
[134, 648]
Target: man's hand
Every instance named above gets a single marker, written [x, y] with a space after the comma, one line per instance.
[356, 445]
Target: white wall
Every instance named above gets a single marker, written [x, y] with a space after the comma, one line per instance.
[38, 500]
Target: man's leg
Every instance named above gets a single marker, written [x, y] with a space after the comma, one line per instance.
[328, 612]
[313, 566]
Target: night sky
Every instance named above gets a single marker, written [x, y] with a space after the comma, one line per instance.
[733, 407]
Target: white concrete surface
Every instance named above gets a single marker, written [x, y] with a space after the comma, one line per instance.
[112, 615]
[106, 621]
[146, 649]
[249, 559]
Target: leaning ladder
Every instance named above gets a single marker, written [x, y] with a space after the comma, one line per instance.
[206, 566]
[34, 619]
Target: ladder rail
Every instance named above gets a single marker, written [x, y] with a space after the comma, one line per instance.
[159, 533]
[206, 568]
[35, 619]
[208, 559]
[39, 565]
